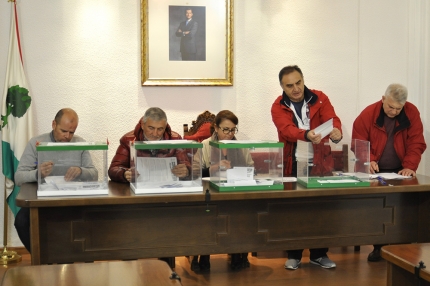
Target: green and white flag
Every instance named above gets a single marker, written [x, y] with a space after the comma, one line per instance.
[16, 116]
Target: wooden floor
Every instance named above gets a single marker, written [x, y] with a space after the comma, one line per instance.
[268, 269]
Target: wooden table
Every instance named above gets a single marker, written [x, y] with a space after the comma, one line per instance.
[114, 273]
[122, 225]
[402, 260]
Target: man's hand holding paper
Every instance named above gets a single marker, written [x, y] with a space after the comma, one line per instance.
[72, 173]
[326, 129]
[180, 171]
[313, 137]
[335, 134]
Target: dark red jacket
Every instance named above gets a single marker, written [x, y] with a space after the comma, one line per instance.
[121, 160]
[409, 140]
[320, 110]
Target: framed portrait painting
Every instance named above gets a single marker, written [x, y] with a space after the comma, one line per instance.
[187, 43]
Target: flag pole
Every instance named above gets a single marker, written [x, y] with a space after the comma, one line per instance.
[7, 256]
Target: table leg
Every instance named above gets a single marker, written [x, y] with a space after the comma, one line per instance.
[34, 236]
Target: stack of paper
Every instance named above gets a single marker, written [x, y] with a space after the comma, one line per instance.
[389, 176]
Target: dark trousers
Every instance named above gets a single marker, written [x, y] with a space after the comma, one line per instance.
[188, 56]
[22, 225]
[315, 253]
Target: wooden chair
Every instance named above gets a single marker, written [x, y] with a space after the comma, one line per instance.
[199, 131]
[340, 159]
[200, 128]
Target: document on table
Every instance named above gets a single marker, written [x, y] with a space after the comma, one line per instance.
[152, 169]
[389, 176]
[325, 128]
[244, 175]
[61, 184]
[240, 176]
[338, 181]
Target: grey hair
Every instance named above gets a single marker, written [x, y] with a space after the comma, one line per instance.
[397, 92]
[155, 113]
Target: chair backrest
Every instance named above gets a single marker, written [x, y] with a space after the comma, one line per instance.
[200, 128]
[340, 159]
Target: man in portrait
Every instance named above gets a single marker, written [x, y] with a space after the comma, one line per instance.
[187, 31]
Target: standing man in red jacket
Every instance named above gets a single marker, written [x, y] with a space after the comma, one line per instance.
[395, 132]
[296, 113]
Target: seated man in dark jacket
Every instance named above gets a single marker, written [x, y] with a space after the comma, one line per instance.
[151, 127]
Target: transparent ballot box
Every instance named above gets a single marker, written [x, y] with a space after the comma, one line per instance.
[329, 165]
[243, 165]
[72, 169]
[163, 167]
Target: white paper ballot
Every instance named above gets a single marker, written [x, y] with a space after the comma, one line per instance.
[325, 128]
[151, 169]
[389, 176]
[58, 182]
[241, 183]
[338, 181]
[240, 174]
[267, 182]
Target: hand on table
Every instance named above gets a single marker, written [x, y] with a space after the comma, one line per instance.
[407, 172]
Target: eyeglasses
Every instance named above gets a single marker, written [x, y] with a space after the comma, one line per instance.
[227, 130]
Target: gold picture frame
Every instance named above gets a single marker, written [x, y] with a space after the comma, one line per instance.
[163, 52]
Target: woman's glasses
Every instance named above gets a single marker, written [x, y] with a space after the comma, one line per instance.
[227, 130]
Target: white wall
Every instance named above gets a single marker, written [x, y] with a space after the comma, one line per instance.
[86, 55]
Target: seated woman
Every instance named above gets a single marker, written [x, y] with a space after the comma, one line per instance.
[224, 127]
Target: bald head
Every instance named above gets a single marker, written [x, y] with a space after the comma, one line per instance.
[68, 111]
[64, 125]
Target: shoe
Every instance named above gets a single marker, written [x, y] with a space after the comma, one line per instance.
[204, 263]
[195, 264]
[292, 264]
[375, 255]
[324, 262]
[236, 261]
[245, 261]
